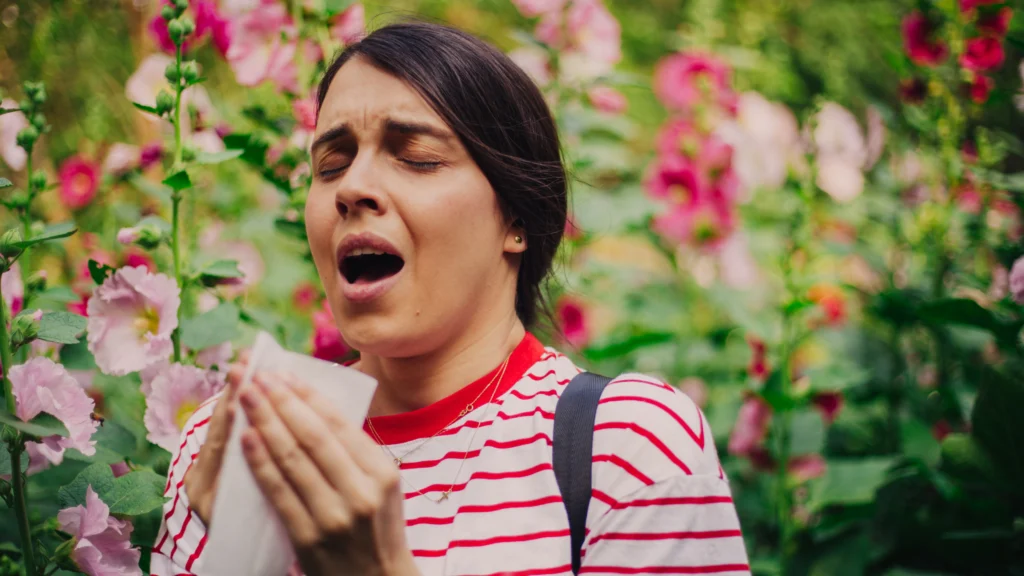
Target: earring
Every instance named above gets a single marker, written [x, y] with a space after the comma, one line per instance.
[519, 239]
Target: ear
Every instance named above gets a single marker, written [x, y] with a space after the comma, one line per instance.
[515, 238]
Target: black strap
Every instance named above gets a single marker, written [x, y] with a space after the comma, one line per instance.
[573, 452]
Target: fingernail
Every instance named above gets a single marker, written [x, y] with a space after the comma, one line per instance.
[249, 440]
[248, 398]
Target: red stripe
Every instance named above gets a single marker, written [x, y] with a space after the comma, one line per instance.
[603, 497]
[647, 536]
[711, 569]
[551, 392]
[479, 508]
[490, 541]
[534, 571]
[181, 449]
[650, 437]
[496, 444]
[679, 501]
[613, 459]
[482, 476]
[174, 505]
[499, 416]
[181, 533]
[652, 383]
[542, 376]
[195, 555]
[698, 439]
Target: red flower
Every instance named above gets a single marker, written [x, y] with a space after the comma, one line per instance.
[831, 300]
[941, 429]
[139, 258]
[980, 89]
[327, 341]
[830, 403]
[919, 41]
[995, 23]
[676, 180]
[758, 362]
[305, 295]
[150, 155]
[751, 427]
[572, 321]
[913, 91]
[968, 5]
[572, 231]
[79, 180]
[984, 53]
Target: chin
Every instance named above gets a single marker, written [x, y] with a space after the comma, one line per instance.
[389, 334]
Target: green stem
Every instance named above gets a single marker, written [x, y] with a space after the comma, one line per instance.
[21, 509]
[176, 203]
[782, 425]
[26, 221]
[6, 358]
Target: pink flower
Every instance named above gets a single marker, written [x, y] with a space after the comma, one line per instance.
[264, 47]
[572, 321]
[980, 88]
[216, 356]
[349, 26]
[150, 155]
[705, 222]
[13, 289]
[121, 158]
[135, 257]
[305, 295]
[830, 403]
[534, 8]
[984, 53]
[79, 180]
[158, 30]
[804, 468]
[607, 99]
[758, 368]
[1017, 280]
[683, 80]
[919, 41]
[838, 135]
[209, 21]
[10, 124]
[304, 110]
[327, 341]
[840, 180]
[676, 180]
[968, 5]
[127, 235]
[41, 385]
[751, 426]
[119, 469]
[535, 62]
[173, 396]
[996, 23]
[131, 318]
[588, 36]
[102, 543]
[696, 389]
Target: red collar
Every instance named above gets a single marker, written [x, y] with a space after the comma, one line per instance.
[424, 422]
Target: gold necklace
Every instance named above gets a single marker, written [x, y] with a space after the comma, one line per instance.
[469, 408]
[445, 494]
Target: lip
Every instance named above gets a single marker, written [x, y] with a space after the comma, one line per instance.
[369, 291]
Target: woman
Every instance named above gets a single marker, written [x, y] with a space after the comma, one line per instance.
[437, 205]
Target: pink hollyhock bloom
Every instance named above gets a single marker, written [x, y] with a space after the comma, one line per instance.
[209, 21]
[150, 155]
[572, 321]
[875, 141]
[158, 31]
[121, 158]
[327, 341]
[919, 41]
[534, 8]
[968, 199]
[131, 318]
[535, 62]
[980, 89]
[704, 222]
[79, 181]
[13, 289]
[837, 135]
[10, 124]
[996, 23]
[127, 235]
[984, 53]
[696, 389]
[804, 468]
[42, 385]
[683, 80]
[264, 47]
[572, 230]
[968, 5]
[304, 110]
[675, 180]
[119, 469]
[305, 295]
[737, 267]
[349, 26]
[215, 356]
[135, 257]
[840, 180]
[147, 81]
[1017, 280]
[250, 263]
[173, 396]
[588, 36]
[766, 142]
[751, 426]
[102, 543]
[607, 99]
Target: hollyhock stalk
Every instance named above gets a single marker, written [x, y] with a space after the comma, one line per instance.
[176, 197]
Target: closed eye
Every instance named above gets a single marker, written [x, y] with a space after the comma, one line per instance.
[425, 166]
[331, 172]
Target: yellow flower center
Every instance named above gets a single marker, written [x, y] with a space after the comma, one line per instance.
[148, 322]
[679, 193]
[185, 411]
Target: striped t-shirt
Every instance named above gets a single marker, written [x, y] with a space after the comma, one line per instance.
[660, 502]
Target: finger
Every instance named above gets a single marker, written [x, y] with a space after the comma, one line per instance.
[297, 521]
[340, 467]
[318, 494]
[220, 428]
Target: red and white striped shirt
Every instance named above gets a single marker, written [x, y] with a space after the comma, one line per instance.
[660, 502]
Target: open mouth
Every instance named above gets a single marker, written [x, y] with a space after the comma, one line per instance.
[368, 266]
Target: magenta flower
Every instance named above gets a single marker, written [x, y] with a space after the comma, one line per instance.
[150, 155]
[751, 427]
[607, 99]
[131, 317]
[804, 468]
[968, 5]
[207, 21]
[996, 23]
[984, 53]
[705, 222]
[327, 341]
[13, 289]
[79, 181]
[572, 321]
[349, 26]
[10, 124]
[681, 81]
[173, 396]
[304, 110]
[1017, 280]
[41, 385]
[675, 180]
[919, 41]
[102, 543]
[263, 47]
[534, 8]
[588, 36]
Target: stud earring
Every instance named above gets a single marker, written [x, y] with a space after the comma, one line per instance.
[519, 239]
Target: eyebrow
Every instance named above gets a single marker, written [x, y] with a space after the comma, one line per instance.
[390, 125]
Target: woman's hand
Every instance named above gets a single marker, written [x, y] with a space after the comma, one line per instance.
[201, 478]
[336, 493]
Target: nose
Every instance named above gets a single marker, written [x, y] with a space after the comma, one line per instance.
[359, 190]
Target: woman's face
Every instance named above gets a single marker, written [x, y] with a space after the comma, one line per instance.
[405, 230]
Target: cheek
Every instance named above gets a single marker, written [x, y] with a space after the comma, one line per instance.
[320, 223]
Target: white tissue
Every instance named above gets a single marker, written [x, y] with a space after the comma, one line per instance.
[246, 537]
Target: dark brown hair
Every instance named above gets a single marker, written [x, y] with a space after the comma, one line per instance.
[502, 119]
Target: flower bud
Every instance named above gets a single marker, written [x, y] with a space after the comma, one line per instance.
[127, 235]
[27, 137]
[164, 102]
[38, 180]
[190, 71]
[8, 241]
[37, 281]
[181, 5]
[188, 153]
[175, 30]
[39, 121]
[172, 73]
[187, 25]
[168, 13]
[35, 91]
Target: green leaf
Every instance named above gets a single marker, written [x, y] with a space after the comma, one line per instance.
[58, 294]
[967, 312]
[41, 426]
[98, 475]
[918, 441]
[218, 157]
[145, 108]
[5, 461]
[997, 426]
[53, 232]
[5, 183]
[178, 181]
[99, 272]
[848, 482]
[211, 328]
[627, 345]
[806, 432]
[220, 269]
[61, 327]
[135, 493]
[295, 229]
[77, 357]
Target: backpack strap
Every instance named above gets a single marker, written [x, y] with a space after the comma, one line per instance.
[572, 448]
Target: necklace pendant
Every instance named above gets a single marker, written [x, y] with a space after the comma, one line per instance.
[398, 462]
[444, 495]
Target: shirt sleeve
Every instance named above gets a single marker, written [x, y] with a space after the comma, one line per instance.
[661, 503]
[182, 534]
